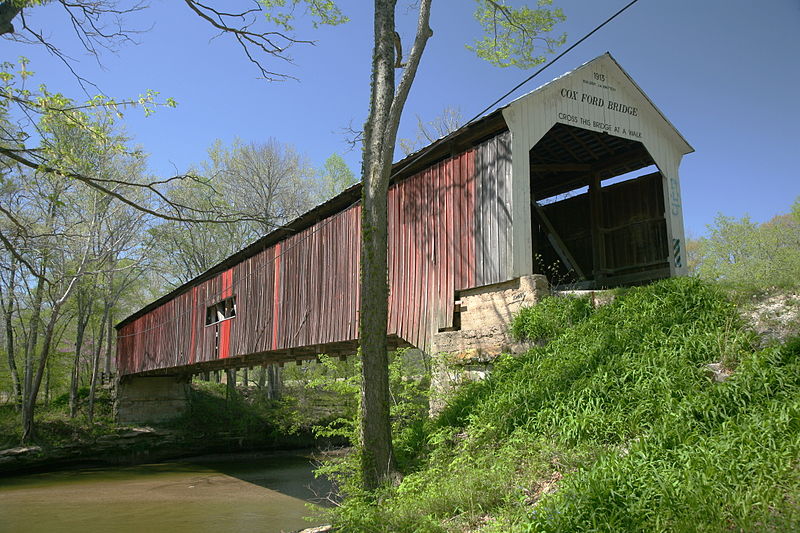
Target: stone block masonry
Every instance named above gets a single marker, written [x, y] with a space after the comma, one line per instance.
[485, 320]
[486, 315]
[143, 400]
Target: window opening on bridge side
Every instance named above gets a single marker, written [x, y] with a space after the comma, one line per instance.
[221, 311]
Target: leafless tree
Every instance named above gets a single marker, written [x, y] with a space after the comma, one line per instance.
[267, 184]
[431, 131]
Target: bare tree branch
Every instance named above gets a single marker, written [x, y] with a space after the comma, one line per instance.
[13, 251]
[95, 184]
[252, 42]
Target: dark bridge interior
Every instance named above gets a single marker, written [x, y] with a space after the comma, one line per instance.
[597, 210]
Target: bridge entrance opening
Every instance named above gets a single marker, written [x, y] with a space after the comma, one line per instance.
[597, 210]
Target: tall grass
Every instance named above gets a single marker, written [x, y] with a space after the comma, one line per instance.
[614, 425]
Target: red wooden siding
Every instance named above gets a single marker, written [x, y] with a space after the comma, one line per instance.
[304, 290]
[300, 292]
[431, 247]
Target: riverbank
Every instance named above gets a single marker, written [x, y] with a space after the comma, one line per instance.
[214, 424]
[138, 445]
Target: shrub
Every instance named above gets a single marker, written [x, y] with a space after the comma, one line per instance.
[550, 317]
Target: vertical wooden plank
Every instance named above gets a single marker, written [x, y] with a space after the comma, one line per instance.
[445, 231]
[276, 295]
[413, 318]
[469, 222]
[504, 170]
[457, 223]
[479, 224]
[355, 259]
[405, 263]
[453, 231]
[428, 266]
[392, 240]
[329, 271]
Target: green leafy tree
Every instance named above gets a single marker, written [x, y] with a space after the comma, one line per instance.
[513, 36]
[749, 256]
[336, 176]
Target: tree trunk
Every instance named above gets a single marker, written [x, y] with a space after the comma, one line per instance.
[80, 329]
[28, 395]
[274, 382]
[12, 363]
[377, 458]
[8, 315]
[109, 344]
[96, 359]
[47, 384]
[380, 134]
[377, 455]
[36, 382]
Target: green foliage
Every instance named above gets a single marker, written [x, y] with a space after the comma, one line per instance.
[323, 12]
[336, 176]
[54, 427]
[614, 425]
[339, 382]
[62, 400]
[511, 35]
[409, 382]
[53, 110]
[751, 257]
[550, 317]
[249, 420]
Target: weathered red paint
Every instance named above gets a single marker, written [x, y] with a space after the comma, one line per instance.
[304, 290]
[225, 325]
[193, 344]
[275, 291]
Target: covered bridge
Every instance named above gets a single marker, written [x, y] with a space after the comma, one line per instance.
[578, 178]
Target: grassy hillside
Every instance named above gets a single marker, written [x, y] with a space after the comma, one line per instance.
[614, 425]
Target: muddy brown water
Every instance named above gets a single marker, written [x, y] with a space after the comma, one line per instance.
[243, 493]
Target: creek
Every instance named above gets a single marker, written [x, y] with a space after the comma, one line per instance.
[236, 493]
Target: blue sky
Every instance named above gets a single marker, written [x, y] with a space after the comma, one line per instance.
[725, 72]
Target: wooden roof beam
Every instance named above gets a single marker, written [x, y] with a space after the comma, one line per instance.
[630, 156]
[564, 146]
[580, 141]
[561, 167]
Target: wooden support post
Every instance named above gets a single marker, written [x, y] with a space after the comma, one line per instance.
[595, 223]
